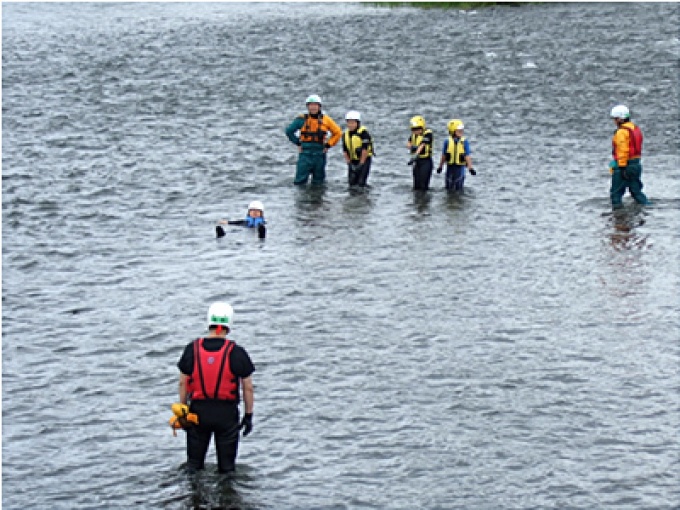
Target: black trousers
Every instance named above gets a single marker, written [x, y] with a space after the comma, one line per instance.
[422, 173]
[361, 176]
[216, 418]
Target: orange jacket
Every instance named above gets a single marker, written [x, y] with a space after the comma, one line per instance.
[627, 143]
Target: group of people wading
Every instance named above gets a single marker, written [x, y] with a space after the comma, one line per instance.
[216, 373]
[315, 133]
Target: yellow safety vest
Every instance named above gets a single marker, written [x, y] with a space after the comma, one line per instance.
[416, 140]
[354, 143]
[456, 151]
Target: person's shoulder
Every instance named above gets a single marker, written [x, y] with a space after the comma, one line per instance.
[237, 347]
[190, 345]
[327, 117]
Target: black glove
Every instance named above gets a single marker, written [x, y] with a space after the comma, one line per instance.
[624, 174]
[411, 161]
[246, 424]
[439, 169]
[472, 171]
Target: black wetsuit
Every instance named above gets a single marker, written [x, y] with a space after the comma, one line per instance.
[218, 417]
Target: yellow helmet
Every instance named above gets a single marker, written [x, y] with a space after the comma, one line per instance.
[455, 124]
[417, 122]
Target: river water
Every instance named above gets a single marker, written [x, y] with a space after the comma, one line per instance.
[513, 347]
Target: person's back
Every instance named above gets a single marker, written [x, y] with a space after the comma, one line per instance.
[212, 371]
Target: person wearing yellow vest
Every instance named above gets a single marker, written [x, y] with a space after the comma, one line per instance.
[314, 133]
[420, 146]
[456, 154]
[357, 147]
[626, 165]
[212, 371]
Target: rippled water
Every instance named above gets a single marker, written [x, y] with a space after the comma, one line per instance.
[515, 347]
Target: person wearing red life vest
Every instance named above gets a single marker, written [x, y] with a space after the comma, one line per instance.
[626, 164]
[212, 371]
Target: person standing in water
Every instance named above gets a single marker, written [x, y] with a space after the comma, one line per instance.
[212, 371]
[254, 219]
[626, 165]
[357, 147]
[420, 146]
[456, 154]
[318, 132]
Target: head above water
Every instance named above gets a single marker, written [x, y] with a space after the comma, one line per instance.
[455, 125]
[220, 317]
[255, 209]
[353, 119]
[620, 112]
[417, 122]
[313, 103]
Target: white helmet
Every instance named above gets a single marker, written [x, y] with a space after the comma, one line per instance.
[620, 112]
[313, 99]
[257, 205]
[353, 115]
[220, 314]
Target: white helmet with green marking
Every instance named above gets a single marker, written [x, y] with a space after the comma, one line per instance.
[220, 314]
[313, 99]
[620, 112]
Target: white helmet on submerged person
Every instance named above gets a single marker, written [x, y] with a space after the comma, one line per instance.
[620, 112]
[353, 115]
[220, 314]
[256, 205]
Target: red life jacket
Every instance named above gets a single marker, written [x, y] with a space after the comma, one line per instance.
[634, 143]
[212, 377]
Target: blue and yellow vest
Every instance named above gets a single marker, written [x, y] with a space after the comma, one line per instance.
[456, 151]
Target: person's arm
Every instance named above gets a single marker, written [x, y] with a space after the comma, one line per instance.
[365, 144]
[468, 154]
[248, 394]
[336, 132]
[444, 156]
[183, 388]
[622, 146]
[345, 150]
[427, 140]
[292, 128]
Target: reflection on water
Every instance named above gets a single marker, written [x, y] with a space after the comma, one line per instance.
[422, 200]
[624, 234]
[211, 490]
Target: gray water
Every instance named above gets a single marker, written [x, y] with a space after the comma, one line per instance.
[513, 347]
